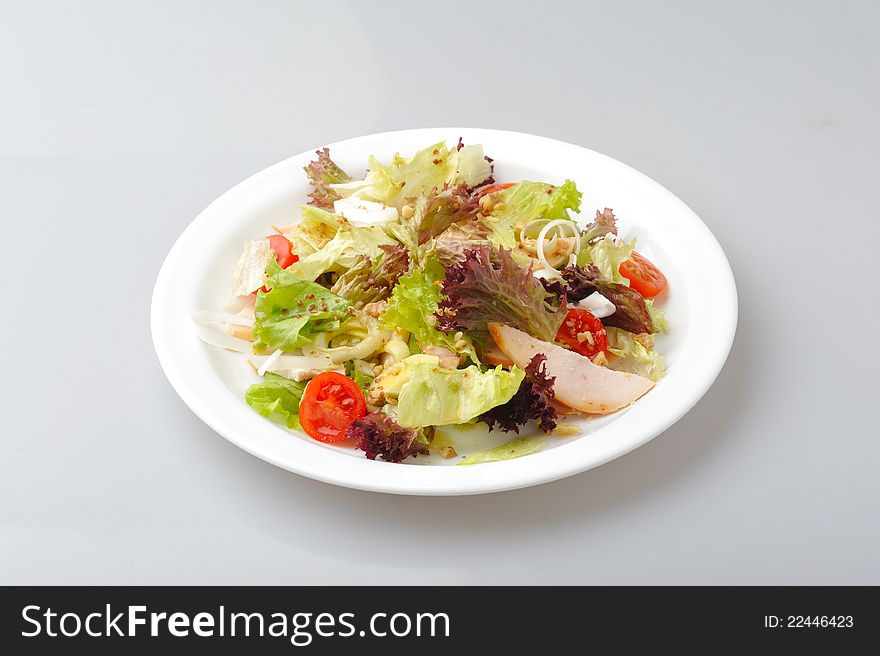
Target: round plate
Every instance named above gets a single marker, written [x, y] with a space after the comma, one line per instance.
[701, 308]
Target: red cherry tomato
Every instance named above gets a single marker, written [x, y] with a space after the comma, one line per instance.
[583, 332]
[282, 247]
[329, 404]
[643, 276]
[495, 187]
[283, 255]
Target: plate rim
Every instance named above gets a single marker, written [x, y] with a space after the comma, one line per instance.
[384, 479]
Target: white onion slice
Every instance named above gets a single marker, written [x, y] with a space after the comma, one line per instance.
[286, 362]
[319, 343]
[269, 361]
[529, 226]
[543, 234]
[215, 337]
[549, 274]
[365, 348]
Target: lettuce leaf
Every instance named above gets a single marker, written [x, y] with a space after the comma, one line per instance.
[277, 398]
[517, 448]
[406, 230]
[532, 401]
[393, 378]
[294, 310]
[314, 231]
[432, 215]
[413, 303]
[636, 353]
[379, 436]
[322, 173]
[360, 378]
[632, 310]
[438, 397]
[658, 318]
[526, 201]
[607, 255]
[445, 209]
[372, 279]
[605, 223]
[434, 168]
[450, 246]
[343, 251]
[490, 286]
[473, 168]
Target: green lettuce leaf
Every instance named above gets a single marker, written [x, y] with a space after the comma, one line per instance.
[526, 201]
[607, 255]
[658, 318]
[435, 167]
[472, 167]
[343, 251]
[406, 230]
[294, 310]
[522, 446]
[412, 305]
[372, 279]
[277, 398]
[393, 378]
[360, 378]
[314, 231]
[438, 397]
[636, 353]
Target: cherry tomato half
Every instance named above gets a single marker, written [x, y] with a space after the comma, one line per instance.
[643, 276]
[282, 247]
[583, 333]
[329, 404]
[495, 187]
[283, 255]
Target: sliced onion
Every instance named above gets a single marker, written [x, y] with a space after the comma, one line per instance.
[553, 224]
[319, 343]
[212, 335]
[365, 348]
[269, 361]
[221, 318]
[548, 273]
[292, 362]
[523, 232]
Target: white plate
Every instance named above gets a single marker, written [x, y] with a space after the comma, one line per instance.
[701, 308]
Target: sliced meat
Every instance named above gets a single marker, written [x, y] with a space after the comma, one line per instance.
[491, 354]
[579, 384]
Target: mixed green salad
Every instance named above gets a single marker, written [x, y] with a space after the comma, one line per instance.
[425, 294]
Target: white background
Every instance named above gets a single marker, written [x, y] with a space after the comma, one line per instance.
[120, 121]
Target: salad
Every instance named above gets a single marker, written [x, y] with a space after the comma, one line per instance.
[426, 294]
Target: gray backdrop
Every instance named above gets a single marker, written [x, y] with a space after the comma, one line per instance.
[120, 121]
